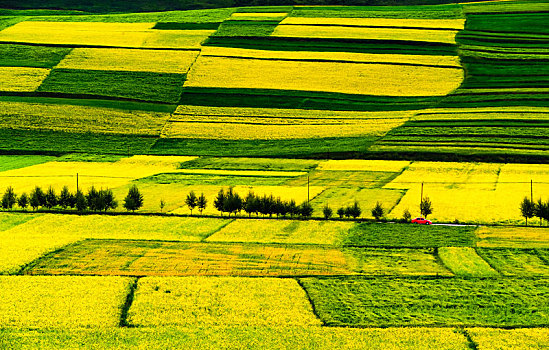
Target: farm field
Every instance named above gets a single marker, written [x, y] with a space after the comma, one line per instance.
[307, 106]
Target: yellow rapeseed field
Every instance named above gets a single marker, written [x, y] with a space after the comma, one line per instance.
[61, 301]
[38, 116]
[332, 56]
[364, 165]
[103, 34]
[526, 339]
[351, 78]
[21, 79]
[428, 35]
[195, 111]
[285, 231]
[135, 60]
[30, 240]
[98, 174]
[220, 301]
[267, 129]
[456, 24]
[509, 237]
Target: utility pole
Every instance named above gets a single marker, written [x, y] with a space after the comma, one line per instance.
[531, 191]
[307, 189]
[76, 182]
[421, 194]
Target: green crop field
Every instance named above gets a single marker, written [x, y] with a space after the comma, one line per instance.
[355, 110]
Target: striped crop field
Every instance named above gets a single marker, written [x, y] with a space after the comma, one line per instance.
[309, 135]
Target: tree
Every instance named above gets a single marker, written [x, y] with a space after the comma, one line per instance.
[341, 212]
[108, 200]
[539, 209]
[251, 204]
[292, 208]
[64, 197]
[425, 207]
[36, 196]
[306, 210]
[72, 200]
[23, 201]
[51, 198]
[162, 204]
[134, 199]
[9, 198]
[233, 202]
[219, 200]
[191, 201]
[406, 216]
[378, 212]
[94, 199]
[527, 209]
[202, 202]
[327, 211]
[80, 202]
[355, 210]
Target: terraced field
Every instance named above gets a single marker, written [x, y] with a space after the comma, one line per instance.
[327, 105]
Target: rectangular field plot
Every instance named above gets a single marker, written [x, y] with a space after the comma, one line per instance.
[248, 164]
[144, 86]
[414, 302]
[518, 237]
[528, 339]
[456, 24]
[241, 337]
[464, 261]
[158, 258]
[158, 61]
[80, 119]
[282, 231]
[9, 220]
[31, 56]
[397, 262]
[406, 235]
[517, 262]
[21, 79]
[102, 34]
[9, 162]
[22, 242]
[349, 78]
[349, 32]
[61, 301]
[220, 301]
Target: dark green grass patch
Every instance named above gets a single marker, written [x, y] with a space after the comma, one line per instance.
[31, 56]
[6, 22]
[334, 45]
[417, 302]
[266, 98]
[52, 142]
[317, 148]
[348, 179]
[217, 180]
[15, 162]
[243, 28]
[495, 7]
[424, 12]
[409, 235]
[146, 86]
[264, 9]
[495, 99]
[9, 220]
[517, 262]
[267, 164]
[510, 23]
[187, 26]
[116, 104]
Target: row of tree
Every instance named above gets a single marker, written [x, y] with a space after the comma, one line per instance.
[530, 209]
[94, 200]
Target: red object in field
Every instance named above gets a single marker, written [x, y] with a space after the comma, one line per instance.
[421, 221]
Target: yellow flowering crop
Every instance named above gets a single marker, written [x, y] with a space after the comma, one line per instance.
[61, 301]
[267, 129]
[23, 115]
[494, 338]
[351, 78]
[456, 24]
[21, 79]
[304, 31]
[103, 174]
[135, 60]
[332, 56]
[30, 240]
[103, 34]
[364, 165]
[282, 231]
[523, 237]
[223, 301]
[193, 111]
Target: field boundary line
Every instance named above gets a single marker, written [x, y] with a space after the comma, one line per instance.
[128, 303]
[311, 302]
[24, 269]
